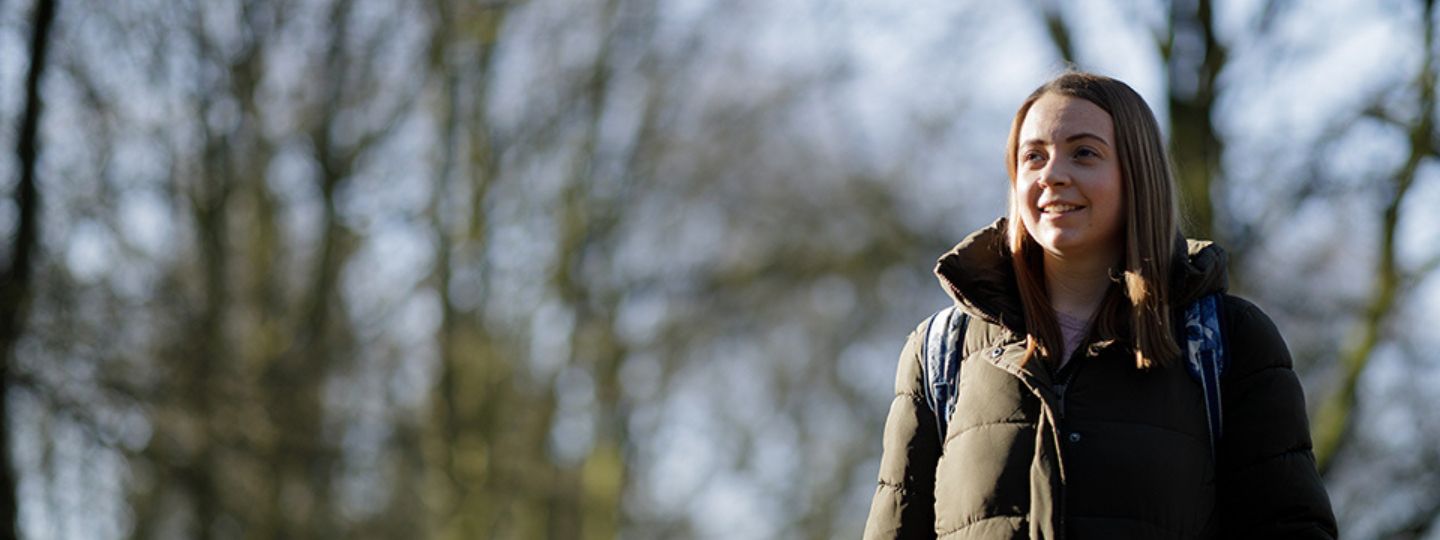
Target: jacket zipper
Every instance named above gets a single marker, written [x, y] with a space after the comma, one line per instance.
[1067, 378]
[1059, 390]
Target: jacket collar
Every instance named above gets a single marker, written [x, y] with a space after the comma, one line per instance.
[977, 275]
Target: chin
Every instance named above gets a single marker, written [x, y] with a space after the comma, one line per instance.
[1061, 245]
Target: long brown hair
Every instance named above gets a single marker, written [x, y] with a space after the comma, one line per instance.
[1136, 309]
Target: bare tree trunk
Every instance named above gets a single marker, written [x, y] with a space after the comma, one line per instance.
[587, 227]
[464, 444]
[1194, 144]
[304, 459]
[1333, 422]
[15, 281]
[202, 355]
[445, 401]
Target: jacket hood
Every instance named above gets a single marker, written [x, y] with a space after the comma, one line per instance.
[976, 273]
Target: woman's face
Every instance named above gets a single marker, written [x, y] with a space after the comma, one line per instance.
[1067, 178]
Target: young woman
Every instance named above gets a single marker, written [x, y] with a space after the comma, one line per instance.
[1074, 415]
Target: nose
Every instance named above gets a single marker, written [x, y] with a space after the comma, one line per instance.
[1054, 175]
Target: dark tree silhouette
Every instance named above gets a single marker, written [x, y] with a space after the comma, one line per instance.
[15, 281]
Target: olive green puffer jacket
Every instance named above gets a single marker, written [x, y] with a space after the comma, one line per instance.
[1115, 453]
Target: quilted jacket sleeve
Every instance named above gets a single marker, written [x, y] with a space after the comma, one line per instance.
[904, 506]
[1268, 486]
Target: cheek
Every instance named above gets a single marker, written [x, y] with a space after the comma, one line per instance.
[1024, 207]
[1026, 195]
[1115, 203]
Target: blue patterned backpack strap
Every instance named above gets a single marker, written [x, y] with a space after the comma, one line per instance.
[941, 353]
[1206, 357]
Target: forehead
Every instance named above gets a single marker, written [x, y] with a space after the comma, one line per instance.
[1055, 117]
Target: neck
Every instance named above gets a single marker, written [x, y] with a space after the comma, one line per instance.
[1077, 284]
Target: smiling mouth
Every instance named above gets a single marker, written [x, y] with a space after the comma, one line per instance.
[1058, 209]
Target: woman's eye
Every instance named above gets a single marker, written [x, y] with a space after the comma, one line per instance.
[1086, 153]
[1032, 157]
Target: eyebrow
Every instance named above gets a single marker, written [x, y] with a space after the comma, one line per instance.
[1072, 138]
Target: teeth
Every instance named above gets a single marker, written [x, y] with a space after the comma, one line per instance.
[1060, 208]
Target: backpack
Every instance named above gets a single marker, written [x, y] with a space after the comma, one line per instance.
[1204, 351]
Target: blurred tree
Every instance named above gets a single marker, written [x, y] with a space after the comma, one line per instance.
[1194, 58]
[15, 278]
[1333, 424]
[495, 416]
[475, 490]
[266, 114]
[471, 268]
[250, 331]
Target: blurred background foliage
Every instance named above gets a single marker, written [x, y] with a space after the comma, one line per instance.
[634, 268]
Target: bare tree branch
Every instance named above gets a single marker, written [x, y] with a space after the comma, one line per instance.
[1059, 31]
